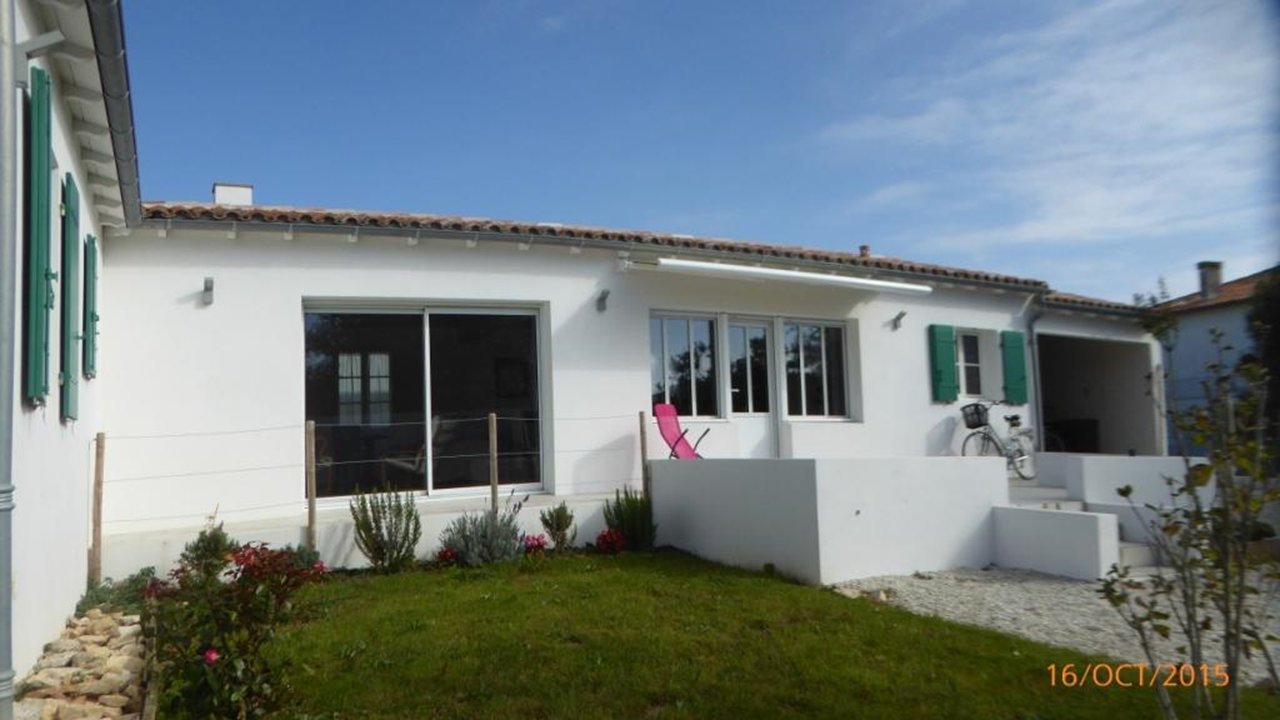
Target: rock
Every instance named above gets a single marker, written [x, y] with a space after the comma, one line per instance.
[50, 710]
[55, 660]
[28, 709]
[104, 626]
[63, 645]
[97, 651]
[125, 662]
[94, 613]
[128, 631]
[85, 660]
[130, 619]
[86, 711]
[59, 676]
[109, 683]
[115, 701]
[94, 639]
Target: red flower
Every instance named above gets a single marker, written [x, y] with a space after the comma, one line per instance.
[211, 656]
[447, 556]
[611, 542]
[320, 567]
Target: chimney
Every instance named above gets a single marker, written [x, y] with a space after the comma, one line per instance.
[864, 251]
[232, 194]
[1210, 278]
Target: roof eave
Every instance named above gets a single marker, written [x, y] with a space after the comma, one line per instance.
[106, 21]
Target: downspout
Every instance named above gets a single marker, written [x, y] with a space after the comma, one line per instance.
[1033, 346]
[106, 21]
[8, 329]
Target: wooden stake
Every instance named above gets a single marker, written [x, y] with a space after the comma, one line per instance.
[493, 462]
[311, 484]
[95, 548]
[645, 481]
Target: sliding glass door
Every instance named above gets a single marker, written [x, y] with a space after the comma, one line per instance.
[401, 400]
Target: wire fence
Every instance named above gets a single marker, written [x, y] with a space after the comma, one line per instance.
[347, 455]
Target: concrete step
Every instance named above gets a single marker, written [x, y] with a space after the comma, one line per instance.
[1137, 554]
[1074, 505]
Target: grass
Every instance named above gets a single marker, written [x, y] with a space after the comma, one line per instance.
[654, 636]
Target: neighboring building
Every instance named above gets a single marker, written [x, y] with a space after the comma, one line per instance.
[226, 326]
[1217, 306]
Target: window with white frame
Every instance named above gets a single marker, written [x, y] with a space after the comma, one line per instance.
[815, 364]
[683, 364]
[969, 362]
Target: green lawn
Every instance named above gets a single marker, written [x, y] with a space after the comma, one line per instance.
[665, 635]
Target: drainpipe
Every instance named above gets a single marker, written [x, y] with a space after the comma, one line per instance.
[8, 323]
[1033, 346]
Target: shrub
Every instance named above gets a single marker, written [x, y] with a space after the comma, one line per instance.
[447, 557]
[304, 557]
[535, 544]
[489, 537]
[611, 542]
[210, 621]
[480, 538]
[387, 528]
[126, 595]
[631, 513]
[558, 522]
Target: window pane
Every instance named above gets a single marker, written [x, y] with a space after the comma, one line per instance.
[969, 343]
[835, 372]
[679, 372]
[791, 346]
[656, 374]
[704, 351]
[759, 352]
[365, 391]
[738, 368]
[813, 362]
[972, 380]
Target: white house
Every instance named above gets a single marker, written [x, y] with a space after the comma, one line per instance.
[200, 338]
[1221, 307]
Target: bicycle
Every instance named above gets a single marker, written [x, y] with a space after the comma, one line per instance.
[1017, 449]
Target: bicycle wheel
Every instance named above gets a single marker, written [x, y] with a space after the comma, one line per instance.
[1023, 457]
[979, 444]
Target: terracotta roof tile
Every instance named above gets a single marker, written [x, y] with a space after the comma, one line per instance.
[416, 221]
[1234, 291]
[1070, 300]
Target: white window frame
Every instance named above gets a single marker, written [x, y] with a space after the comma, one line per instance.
[716, 332]
[962, 362]
[748, 324]
[784, 394]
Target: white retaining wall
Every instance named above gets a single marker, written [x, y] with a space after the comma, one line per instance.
[1076, 544]
[828, 521]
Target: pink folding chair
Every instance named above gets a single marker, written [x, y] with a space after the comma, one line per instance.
[676, 439]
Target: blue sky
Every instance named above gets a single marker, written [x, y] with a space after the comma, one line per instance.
[1098, 146]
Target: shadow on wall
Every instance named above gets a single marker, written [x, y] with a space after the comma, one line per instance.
[942, 438]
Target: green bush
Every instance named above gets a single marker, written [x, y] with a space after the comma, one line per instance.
[125, 595]
[387, 529]
[210, 621]
[558, 522]
[477, 539]
[631, 513]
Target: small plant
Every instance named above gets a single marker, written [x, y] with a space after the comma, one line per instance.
[488, 537]
[558, 522]
[126, 595]
[535, 544]
[611, 542]
[447, 557]
[211, 619]
[387, 528]
[631, 514]
[304, 557]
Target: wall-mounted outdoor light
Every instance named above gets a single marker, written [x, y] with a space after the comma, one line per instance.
[602, 301]
[896, 322]
[207, 296]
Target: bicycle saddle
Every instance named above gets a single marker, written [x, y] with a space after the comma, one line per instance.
[1013, 420]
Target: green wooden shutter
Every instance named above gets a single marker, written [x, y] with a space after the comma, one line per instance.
[1013, 352]
[39, 274]
[90, 322]
[942, 357]
[69, 377]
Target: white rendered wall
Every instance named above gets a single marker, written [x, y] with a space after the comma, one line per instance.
[744, 513]
[828, 521]
[893, 516]
[1081, 545]
[51, 458]
[1194, 349]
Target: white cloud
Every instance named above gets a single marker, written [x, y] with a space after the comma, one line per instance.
[1123, 122]
[889, 196]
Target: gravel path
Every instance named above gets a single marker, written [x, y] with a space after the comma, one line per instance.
[1046, 608]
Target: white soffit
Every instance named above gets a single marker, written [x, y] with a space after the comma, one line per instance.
[749, 272]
